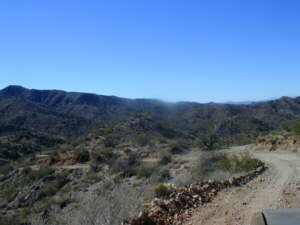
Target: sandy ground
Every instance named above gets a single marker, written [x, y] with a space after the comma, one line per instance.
[276, 188]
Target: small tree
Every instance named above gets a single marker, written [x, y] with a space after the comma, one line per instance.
[210, 141]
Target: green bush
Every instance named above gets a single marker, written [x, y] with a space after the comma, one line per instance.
[50, 189]
[227, 163]
[143, 139]
[82, 156]
[53, 187]
[92, 176]
[161, 191]
[210, 163]
[26, 171]
[145, 171]
[291, 126]
[42, 172]
[5, 169]
[165, 158]
[9, 193]
[179, 146]
[9, 220]
[110, 141]
[247, 163]
[242, 163]
[164, 174]
[157, 191]
[296, 127]
[106, 154]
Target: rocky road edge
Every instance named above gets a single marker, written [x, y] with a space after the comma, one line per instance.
[183, 201]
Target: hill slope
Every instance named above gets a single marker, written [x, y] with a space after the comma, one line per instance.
[73, 114]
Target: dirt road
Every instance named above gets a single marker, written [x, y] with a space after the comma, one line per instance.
[277, 188]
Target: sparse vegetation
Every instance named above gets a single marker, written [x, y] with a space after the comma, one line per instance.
[296, 127]
[128, 142]
[213, 162]
[143, 139]
[156, 191]
[9, 221]
[161, 191]
[9, 193]
[53, 187]
[82, 155]
[5, 169]
[242, 163]
[41, 172]
[110, 141]
[145, 171]
[109, 208]
[165, 158]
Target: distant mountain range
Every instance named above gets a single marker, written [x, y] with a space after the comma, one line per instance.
[248, 102]
[70, 114]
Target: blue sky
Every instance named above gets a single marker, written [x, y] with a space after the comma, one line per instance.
[213, 50]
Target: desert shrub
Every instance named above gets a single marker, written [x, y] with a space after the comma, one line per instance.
[211, 163]
[275, 132]
[5, 169]
[162, 140]
[25, 214]
[76, 143]
[292, 126]
[133, 159]
[119, 165]
[157, 191]
[164, 174]
[123, 167]
[184, 179]
[247, 163]
[210, 141]
[9, 193]
[101, 155]
[82, 156]
[145, 171]
[143, 139]
[92, 175]
[206, 164]
[226, 163]
[53, 187]
[296, 127]
[105, 188]
[26, 171]
[10, 221]
[161, 191]
[50, 189]
[242, 163]
[106, 154]
[110, 141]
[178, 146]
[42, 172]
[121, 202]
[165, 158]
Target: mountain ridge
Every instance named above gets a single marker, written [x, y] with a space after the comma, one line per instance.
[19, 89]
[72, 114]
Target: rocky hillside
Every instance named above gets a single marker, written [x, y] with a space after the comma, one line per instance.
[73, 114]
[61, 151]
[287, 139]
[16, 142]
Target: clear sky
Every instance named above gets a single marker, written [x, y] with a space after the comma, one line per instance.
[196, 50]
